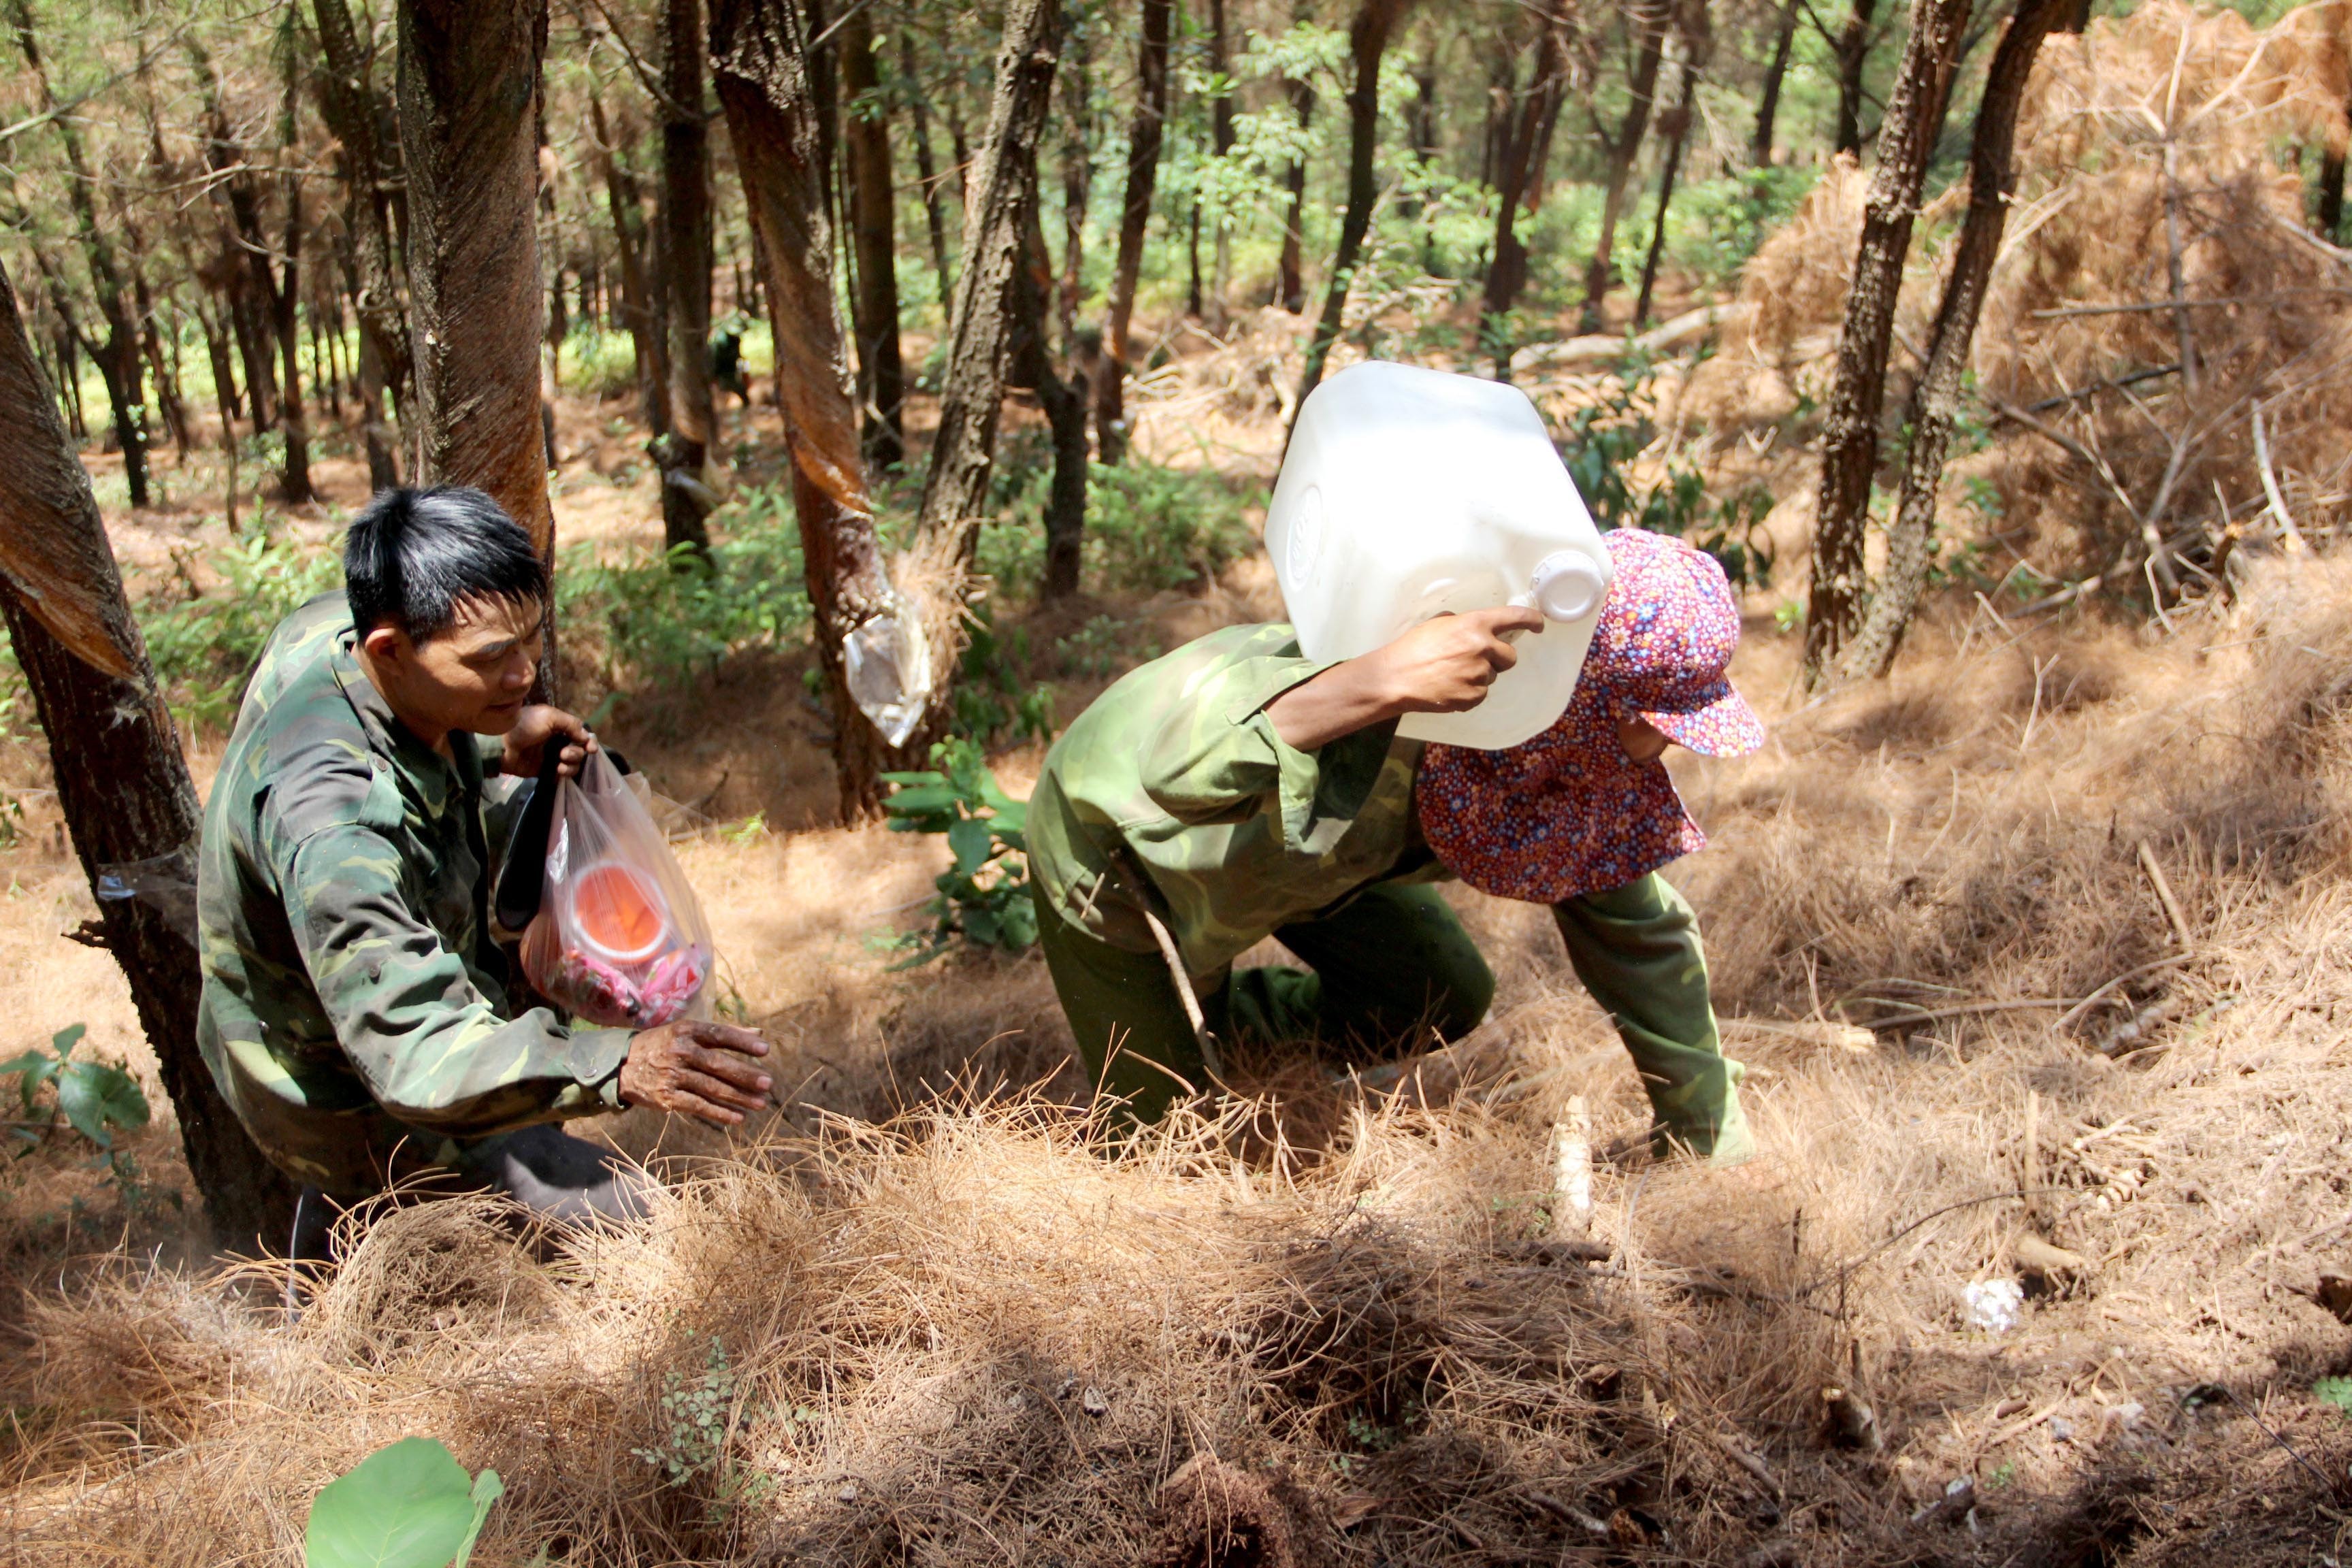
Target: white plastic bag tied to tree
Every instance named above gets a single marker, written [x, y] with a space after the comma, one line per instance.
[887, 661]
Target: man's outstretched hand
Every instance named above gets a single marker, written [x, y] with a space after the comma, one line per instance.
[695, 1068]
[1445, 665]
[536, 725]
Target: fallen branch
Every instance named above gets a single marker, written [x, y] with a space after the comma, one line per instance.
[2163, 896]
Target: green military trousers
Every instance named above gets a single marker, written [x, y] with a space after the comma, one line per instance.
[1393, 961]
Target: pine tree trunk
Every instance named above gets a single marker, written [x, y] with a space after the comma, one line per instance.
[1915, 114]
[1768, 103]
[122, 781]
[1290, 280]
[1220, 144]
[761, 69]
[355, 112]
[625, 199]
[1675, 128]
[873, 221]
[684, 453]
[469, 96]
[294, 481]
[118, 361]
[1852, 53]
[295, 476]
[996, 219]
[1077, 181]
[1144, 135]
[1518, 137]
[1936, 401]
[1647, 19]
[1367, 40]
[926, 170]
[1064, 406]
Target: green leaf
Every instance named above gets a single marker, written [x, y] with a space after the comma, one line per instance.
[488, 1490]
[922, 797]
[411, 1505]
[98, 1096]
[37, 1071]
[66, 1039]
[909, 779]
[971, 843]
[2336, 1390]
[981, 926]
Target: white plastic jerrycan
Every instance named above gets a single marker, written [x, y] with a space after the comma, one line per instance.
[1408, 493]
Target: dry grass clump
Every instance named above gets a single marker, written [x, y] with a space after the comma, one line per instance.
[965, 1337]
[2147, 177]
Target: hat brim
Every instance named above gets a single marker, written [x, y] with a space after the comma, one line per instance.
[1721, 725]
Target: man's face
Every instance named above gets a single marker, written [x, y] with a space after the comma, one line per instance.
[475, 676]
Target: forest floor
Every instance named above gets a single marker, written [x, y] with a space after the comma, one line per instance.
[932, 1325]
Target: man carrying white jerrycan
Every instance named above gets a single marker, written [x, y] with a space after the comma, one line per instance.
[1474, 683]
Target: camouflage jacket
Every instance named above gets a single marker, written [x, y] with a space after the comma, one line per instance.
[1173, 791]
[354, 1009]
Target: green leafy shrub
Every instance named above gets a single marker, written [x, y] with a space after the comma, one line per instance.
[1603, 440]
[697, 1410]
[669, 620]
[598, 362]
[990, 703]
[411, 1505]
[206, 644]
[97, 1099]
[983, 898]
[1148, 527]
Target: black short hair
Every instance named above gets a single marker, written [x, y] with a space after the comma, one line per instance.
[412, 556]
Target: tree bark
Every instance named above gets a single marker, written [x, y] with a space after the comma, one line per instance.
[1077, 178]
[873, 228]
[285, 318]
[1675, 128]
[1220, 144]
[1936, 401]
[1768, 103]
[1290, 282]
[925, 169]
[626, 198]
[355, 114]
[468, 96]
[1367, 40]
[2331, 195]
[1145, 136]
[1064, 406]
[761, 69]
[683, 453]
[996, 221]
[118, 358]
[1521, 132]
[122, 781]
[265, 312]
[1647, 21]
[1851, 50]
[1914, 115]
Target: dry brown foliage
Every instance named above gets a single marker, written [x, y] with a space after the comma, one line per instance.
[968, 1334]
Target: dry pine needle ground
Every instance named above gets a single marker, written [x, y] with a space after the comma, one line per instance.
[967, 1335]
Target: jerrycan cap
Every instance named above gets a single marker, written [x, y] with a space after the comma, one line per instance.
[1568, 586]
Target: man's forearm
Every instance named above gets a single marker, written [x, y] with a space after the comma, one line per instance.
[1343, 700]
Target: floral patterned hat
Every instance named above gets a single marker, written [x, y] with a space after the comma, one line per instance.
[1569, 812]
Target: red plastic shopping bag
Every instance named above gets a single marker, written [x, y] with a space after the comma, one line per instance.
[619, 939]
